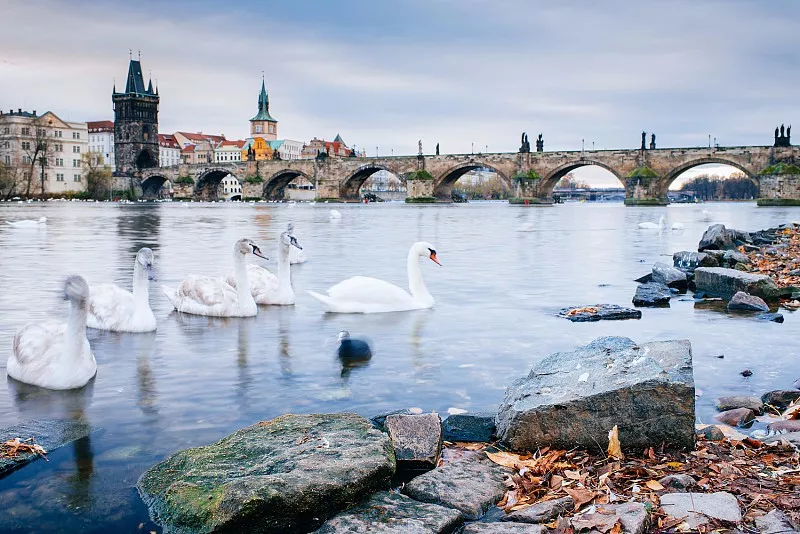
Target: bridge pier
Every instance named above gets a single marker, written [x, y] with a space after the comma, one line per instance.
[779, 185]
[420, 186]
[527, 190]
[643, 187]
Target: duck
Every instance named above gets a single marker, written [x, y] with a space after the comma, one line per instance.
[55, 354]
[352, 349]
[118, 310]
[266, 288]
[204, 295]
[361, 294]
[28, 223]
[652, 226]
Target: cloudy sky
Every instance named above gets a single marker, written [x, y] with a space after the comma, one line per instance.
[462, 73]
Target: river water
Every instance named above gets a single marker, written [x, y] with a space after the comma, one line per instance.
[197, 379]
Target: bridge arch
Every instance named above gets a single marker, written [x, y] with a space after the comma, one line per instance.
[274, 186]
[152, 184]
[675, 173]
[207, 185]
[550, 180]
[351, 187]
[443, 186]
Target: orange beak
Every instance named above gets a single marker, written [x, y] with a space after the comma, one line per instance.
[434, 259]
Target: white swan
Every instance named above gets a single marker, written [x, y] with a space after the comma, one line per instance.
[53, 354]
[296, 254]
[335, 215]
[361, 294]
[527, 227]
[115, 309]
[203, 295]
[706, 216]
[267, 288]
[28, 223]
[652, 226]
[678, 226]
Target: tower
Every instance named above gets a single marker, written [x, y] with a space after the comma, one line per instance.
[263, 125]
[135, 123]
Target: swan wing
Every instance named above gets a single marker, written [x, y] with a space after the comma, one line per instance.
[110, 306]
[261, 280]
[38, 358]
[369, 290]
[205, 290]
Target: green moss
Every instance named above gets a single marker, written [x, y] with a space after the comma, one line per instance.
[642, 172]
[421, 200]
[766, 202]
[530, 175]
[253, 179]
[248, 199]
[420, 175]
[781, 168]
[646, 202]
[184, 180]
[530, 201]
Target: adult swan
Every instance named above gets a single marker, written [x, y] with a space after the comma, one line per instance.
[361, 294]
[54, 354]
[202, 295]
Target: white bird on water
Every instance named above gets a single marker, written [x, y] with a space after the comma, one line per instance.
[203, 295]
[678, 226]
[118, 310]
[652, 226]
[54, 354]
[361, 294]
[335, 215]
[267, 288]
[28, 223]
[527, 227]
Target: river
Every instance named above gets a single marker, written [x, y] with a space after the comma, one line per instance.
[197, 379]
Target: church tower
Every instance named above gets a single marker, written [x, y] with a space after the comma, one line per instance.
[263, 125]
[135, 123]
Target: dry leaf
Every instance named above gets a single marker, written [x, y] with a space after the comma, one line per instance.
[614, 447]
[506, 459]
[581, 496]
[573, 475]
[654, 485]
[556, 481]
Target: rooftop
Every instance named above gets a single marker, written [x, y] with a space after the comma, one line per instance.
[100, 126]
[20, 113]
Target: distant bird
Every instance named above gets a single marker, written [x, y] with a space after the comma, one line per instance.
[527, 227]
[28, 223]
[652, 226]
[706, 215]
[335, 215]
[678, 226]
[353, 350]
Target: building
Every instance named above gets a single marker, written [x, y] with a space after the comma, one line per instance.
[263, 125]
[42, 152]
[336, 148]
[169, 151]
[230, 188]
[228, 151]
[185, 139]
[101, 140]
[287, 149]
[257, 149]
[135, 123]
[187, 155]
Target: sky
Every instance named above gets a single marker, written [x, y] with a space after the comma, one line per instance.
[467, 74]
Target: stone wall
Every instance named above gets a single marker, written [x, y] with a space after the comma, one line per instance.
[779, 189]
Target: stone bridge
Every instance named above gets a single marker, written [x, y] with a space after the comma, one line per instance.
[530, 176]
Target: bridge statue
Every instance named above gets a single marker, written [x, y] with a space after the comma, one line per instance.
[419, 146]
[652, 141]
[525, 146]
[437, 149]
[539, 144]
[789, 135]
[644, 135]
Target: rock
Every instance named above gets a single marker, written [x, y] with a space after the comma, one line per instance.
[741, 301]
[678, 482]
[597, 312]
[746, 373]
[732, 257]
[645, 279]
[575, 398]
[417, 440]
[286, 475]
[793, 438]
[504, 528]
[631, 515]
[717, 237]
[696, 508]
[689, 261]
[542, 512]
[731, 403]
[741, 417]
[652, 294]
[472, 427]
[780, 398]
[784, 425]
[774, 522]
[47, 433]
[669, 276]
[796, 383]
[379, 421]
[387, 512]
[773, 317]
[711, 433]
[470, 485]
[726, 283]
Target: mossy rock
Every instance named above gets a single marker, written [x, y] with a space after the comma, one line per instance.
[777, 202]
[642, 172]
[646, 202]
[286, 475]
[184, 180]
[781, 168]
[530, 201]
[419, 175]
[421, 200]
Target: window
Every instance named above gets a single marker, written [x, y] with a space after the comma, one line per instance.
[7, 144]
[59, 162]
[271, 128]
[76, 177]
[26, 131]
[59, 177]
[8, 160]
[40, 132]
[76, 150]
[57, 134]
[26, 145]
[76, 163]
[26, 176]
[258, 128]
[26, 160]
[58, 148]
[76, 135]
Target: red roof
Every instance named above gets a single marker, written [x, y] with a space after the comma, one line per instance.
[167, 141]
[197, 137]
[186, 149]
[237, 144]
[100, 126]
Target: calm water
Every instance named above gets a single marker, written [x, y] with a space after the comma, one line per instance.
[198, 379]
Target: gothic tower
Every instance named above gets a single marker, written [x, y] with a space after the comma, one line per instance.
[263, 125]
[135, 123]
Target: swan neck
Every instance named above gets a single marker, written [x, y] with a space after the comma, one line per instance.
[284, 267]
[140, 285]
[76, 326]
[415, 283]
[246, 302]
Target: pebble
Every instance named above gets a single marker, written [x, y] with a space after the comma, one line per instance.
[741, 417]
[774, 522]
[542, 512]
[696, 508]
[740, 401]
[678, 482]
[711, 433]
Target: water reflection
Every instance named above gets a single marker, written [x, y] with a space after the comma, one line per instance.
[79, 494]
[33, 402]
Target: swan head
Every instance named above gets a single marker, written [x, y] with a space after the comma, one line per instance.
[145, 258]
[287, 239]
[76, 289]
[344, 335]
[42, 220]
[246, 246]
[426, 250]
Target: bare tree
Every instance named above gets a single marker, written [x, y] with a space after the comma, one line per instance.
[25, 153]
[98, 175]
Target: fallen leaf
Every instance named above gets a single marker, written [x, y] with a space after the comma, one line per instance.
[654, 485]
[580, 495]
[614, 447]
[506, 459]
[556, 481]
[572, 475]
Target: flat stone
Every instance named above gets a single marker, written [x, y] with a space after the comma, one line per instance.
[387, 512]
[575, 398]
[741, 301]
[470, 485]
[773, 317]
[678, 482]
[741, 417]
[652, 294]
[417, 440]
[471, 427]
[732, 257]
[599, 312]
[47, 433]
[780, 398]
[670, 276]
[696, 508]
[784, 425]
[504, 528]
[542, 512]
[774, 522]
[731, 403]
[725, 283]
[717, 237]
[379, 420]
[793, 438]
[711, 433]
[689, 261]
[286, 475]
[631, 515]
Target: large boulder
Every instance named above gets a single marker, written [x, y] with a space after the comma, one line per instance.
[576, 398]
[286, 475]
[725, 283]
[741, 301]
[717, 237]
[652, 294]
[670, 276]
[688, 261]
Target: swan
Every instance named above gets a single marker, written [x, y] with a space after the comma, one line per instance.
[652, 226]
[267, 288]
[527, 227]
[115, 309]
[706, 215]
[296, 254]
[678, 226]
[53, 354]
[335, 215]
[28, 223]
[203, 295]
[361, 294]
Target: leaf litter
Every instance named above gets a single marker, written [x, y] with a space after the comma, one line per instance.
[12, 448]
